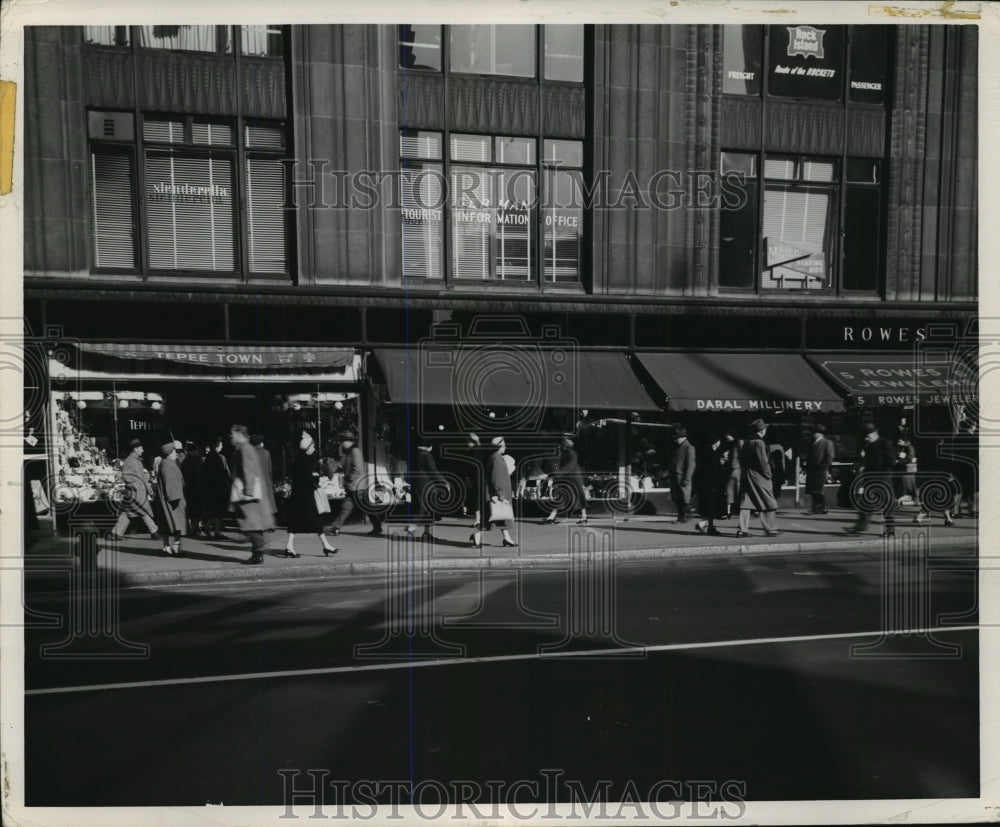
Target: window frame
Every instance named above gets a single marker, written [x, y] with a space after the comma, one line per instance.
[234, 53]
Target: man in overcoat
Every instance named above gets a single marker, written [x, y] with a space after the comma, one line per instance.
[257, 440]
[819, 460]
[874, 489]
[170, 486]
[755, 482]
[137, 500]
[352, 463]
[253, 514]
[682, 465]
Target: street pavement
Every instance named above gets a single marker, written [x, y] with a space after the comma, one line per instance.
[139, 561]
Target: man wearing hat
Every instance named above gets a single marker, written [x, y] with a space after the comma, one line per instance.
[257, 441]
[682, 465]
[875, 462]
[136, 500]
[710, 484]
[352, 464]
[568, 483]
[170, 487]
[819, 459]
[755, 482]
[253, 515]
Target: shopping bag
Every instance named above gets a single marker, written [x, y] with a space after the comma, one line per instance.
[322, 503]
[501, 511]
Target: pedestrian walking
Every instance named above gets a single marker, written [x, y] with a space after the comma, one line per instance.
[875, 463]
[215, 489]
[567, 482]
[352, 464]
[731, 473]
[191, 466]
[253, 514]
[682, 467]
[257, 441]
[499, 510]
[819, 460]
[776, 458]
[709, 477]
[137, 494]
[904, 464]
[941, 492]
[477, 501]
[302, 511]
[425, 483]
[756, 491]
[170, 487]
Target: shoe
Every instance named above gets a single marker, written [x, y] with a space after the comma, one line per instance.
[327, 552]
[509, 544]
[772, 533]
[375, 532]
[919, 519]
[252, 561]
[547, 521]
[583, 522]
[852, 530]
[700, 526]
[334, 532]
[472, 539]
[167, 552]
[218, 536]
[116, 537]
[681, 522]
[824, 511]
[949, 522]
[288, 553]
[714, 531]
[742, 533]
[156, 536]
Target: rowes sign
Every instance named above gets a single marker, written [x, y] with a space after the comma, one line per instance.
[865, 334]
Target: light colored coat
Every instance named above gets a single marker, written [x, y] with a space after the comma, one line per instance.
[170, 483]
[134, 476]
[755, 476]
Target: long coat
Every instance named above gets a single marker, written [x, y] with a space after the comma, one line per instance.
[170, 483]
[426, 484]
[569, 477]
[711, 475]
[265, 464]
[134, 476]
[255, 515]
[216, 483]
[302, 515]
[498, 477]
[682, 465]
[755, 476]
[191, 470]
[819, 459]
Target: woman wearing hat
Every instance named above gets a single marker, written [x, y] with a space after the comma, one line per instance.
[498, 486]
[302, 514]
[478, 500]
[216, 484]
[568, 481]
[428, 482]
[170, 485]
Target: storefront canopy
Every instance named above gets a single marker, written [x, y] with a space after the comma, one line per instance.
[215, 361]
[752, 382]
[514, 377]
[901, 379]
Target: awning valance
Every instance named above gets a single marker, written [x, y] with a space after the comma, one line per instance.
[215, 361]
[753, 382]
[515, 377]
[901, 379]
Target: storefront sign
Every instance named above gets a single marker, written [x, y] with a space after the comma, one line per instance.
[227, 356]
[902, 381]
[761, 405]
[805, 41]
[854, 333]
[806, 62]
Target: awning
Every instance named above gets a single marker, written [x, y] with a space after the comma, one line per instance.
[922, 377]
[215, 361]
[753, 382]
[515, 377]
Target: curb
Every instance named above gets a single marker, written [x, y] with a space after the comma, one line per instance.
[265, 574]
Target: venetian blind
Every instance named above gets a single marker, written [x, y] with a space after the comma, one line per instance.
[266, 215]
[113, 230]
[421, 219]
[472, 222]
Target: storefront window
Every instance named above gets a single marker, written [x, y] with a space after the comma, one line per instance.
[493, 50]
[186, 38]
[420, 47]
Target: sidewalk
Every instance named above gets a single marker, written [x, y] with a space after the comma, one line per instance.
[139, 561]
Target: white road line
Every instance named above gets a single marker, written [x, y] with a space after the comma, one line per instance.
[416, 664]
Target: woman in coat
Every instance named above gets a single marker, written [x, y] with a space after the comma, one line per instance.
[499, 490]
[477, 497]
[428, 484]
[170, 486]
[253, 514]
[568, 482]
[905, 466]
[732, 473]
[755, 482]
[302, 513]
[216, 483]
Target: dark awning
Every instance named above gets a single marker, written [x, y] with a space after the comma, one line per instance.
[214, 360]
[752, 382]
[514, 377]
[900, 379]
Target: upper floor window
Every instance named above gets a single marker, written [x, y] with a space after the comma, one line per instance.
[106, 35]
[831, 63]
[262, 41]
[186, 38]
[254, 41]
[488, 49]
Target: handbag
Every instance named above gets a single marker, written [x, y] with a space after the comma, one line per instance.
[501, 511]
[322, 503]
[238, 494]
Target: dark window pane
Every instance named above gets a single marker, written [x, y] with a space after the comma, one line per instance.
[420, 47]
[493, 50]
[564, 53]
[862, 220]
[391, 326]
[868, 64]
[806, 61]
[138, 321]
[738, 233]
[293, 323]
[743, 163]
[595, 330]
[863, 171]
[742, 56]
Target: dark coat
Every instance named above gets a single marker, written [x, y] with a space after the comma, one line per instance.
[255, 515]
[301, 513]
[711, 474]
[352, 463]
[819, 460]
[191, 471]
[755, 476]
[498, 477]
[427, 487]
[568, 480]
[216, 483]
[170, 485]
[682, 465]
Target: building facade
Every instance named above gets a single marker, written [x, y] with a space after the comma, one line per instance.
[261, 223]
